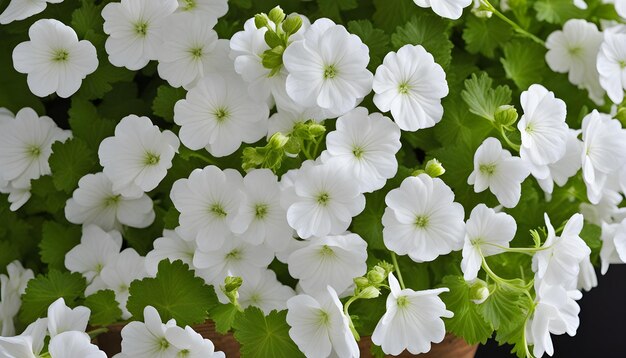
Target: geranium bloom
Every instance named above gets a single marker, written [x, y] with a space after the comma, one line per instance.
[190, 50]
[495, 168]
[610, 63]
[219, 115]
[329, 261]
[134, 29]
[366, 145]
[322, 201]
[95, 202]
[28, 344]
[12, 287]
[234, 258]
[319, 327]
[137, 158]
[604, 152]
[485, 229]
[118, 274]
[97, 248]
[266, 292]
[412, 320]
[451, 9]
[559, 261]
[613, 249]
[74, 345]
[208, 10]
[64, 319]
[54, 59]
[25, 146]
[556, 312]
[261, 218]
[147, 339]
[22, 9]
[411, 85]
[328, 68]
[190, 344]
[566, 167]
[170, 247]
[208, 202]
[422, 219]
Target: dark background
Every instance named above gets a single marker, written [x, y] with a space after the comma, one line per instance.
[602, 331]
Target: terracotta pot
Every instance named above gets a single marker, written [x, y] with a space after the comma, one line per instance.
[451, 347]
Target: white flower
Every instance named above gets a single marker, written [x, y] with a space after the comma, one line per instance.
[22, 9]
[28, 344]
[542, 126]
[450, 9]
[190, 344]
[134, 29]
[613, 249]
[97, 248]
[118, 274]
[148, 340]
[322, 201]
[604, 152]
[208, 202]
[64, 319]
[328, 68]
[366, 145]
[422, 219]
[610, 63]
[137, 158]
[74, 345]
[219, 115]
[319, 327]
[208, 10]
[261, 218]
[12, 287]
[171, 246]
[566, 167]
[412, 320]
[190, 50]
[574, 50]
[54, 59]
[411, 85]
[559, 261]
[486, 230]
[234, 258]
[18, 196]
[587, 278]
[95, 202]
[606, 211]
[556, 312]
[266, 292]
[25, 146]
[496, 169]
[329, 261]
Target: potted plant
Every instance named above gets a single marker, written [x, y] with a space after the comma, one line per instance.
[349, 178]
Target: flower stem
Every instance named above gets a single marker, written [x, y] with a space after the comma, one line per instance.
[508, 141]
[523, 250]
[513, 24]
[206, 159]
[346, 306]
[94, 333]
[394, 259]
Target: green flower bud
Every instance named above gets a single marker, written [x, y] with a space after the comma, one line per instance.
[434, 168]
[316, 129]
[252, 158]
[292, 147]
[273, 58]
[261, 20]
[292, 24]
[277, 141]
[386, 267]
[232, 283]
[369, 292]
[361, 282]
[276, 15]
[273, 40]
[505, 115]
[376, 275]
[479, 291]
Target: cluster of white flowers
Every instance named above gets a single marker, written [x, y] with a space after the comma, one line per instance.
[12, 287]
[65, 328]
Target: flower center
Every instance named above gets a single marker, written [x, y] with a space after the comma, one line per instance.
[151, 159]
[260, 211]
[196, 53]
[112, 200]
[326, 251]
[34, 151]
[487, 169]
[358, 152]
[402, 301]
[234, 255]
[404, 88]
[184, 353]
[421, 221]
[141, 28]
[323, 199]
[255, 298]
[324, 318]
[622, 64]
[163, 344]
[221, 114]
[218, 210]
[574, 51]
[60, 56]
[187, 5]
[330, 72]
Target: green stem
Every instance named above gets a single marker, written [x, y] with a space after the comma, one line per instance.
[200, 156]
[513, 24]
[524, 250]
[94, 333]
[394, 259]
[514, 146]
[346, 306]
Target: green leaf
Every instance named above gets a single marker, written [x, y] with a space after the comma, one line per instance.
[504, 305]
[485, 35]
[481, 98]
[457, 125]
[431, 32]
[591, 235]
[376, 39]
[264, 336]
[175, 292]
[46, 195]
[69, 162]
[56, 241]
[332, 8]
[467, 321]
[390, 14]
[42, 291]
[88, 125]
[87, 17]
[104, 308]
[523, 62]
[166, 98]
[224, 317]
[557, 11]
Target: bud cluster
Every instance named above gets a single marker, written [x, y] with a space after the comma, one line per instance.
[279, 28]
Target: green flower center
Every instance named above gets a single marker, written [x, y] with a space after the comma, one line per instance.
[218, 210]
[141, 28]
[323, 199]
[163, 344]
[487, 169]
[324, 318]
[404, 88]
[402, 301]
[188, 5]
[421, 222]
[151, 159]
[184, 353]
[260, 211]
[34, 151]
[326, 251]
[234, 255]
[60, 56]
[358, 152]
[622, 64]
[112, 200]
[330, 72]
[196, 53]
[221, 114]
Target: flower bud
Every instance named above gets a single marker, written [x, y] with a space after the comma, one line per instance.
[273, 58]
[261, 20]
[434, 168]
[376, 275]
[479, 291]
[232, 283]
[369, 292]
[292, 24]
[293, 147]
[276, 15]
[505, 115]
[277, 141]
[361, 282]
